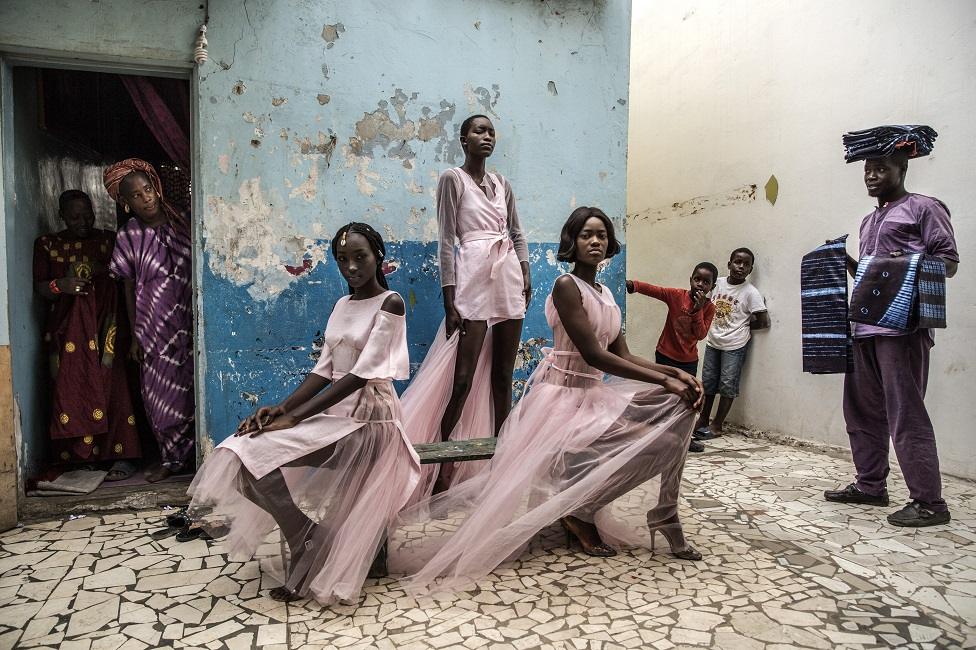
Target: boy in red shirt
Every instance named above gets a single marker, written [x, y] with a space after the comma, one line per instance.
[690, 314]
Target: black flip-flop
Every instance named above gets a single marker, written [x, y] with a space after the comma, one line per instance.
[163, 533]
[178, 519]
[190, 534]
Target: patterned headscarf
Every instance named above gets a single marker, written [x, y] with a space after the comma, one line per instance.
[112, 178]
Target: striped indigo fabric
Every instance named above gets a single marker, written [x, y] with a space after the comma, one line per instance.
[931, 292]
[827, 343]
[900, 293]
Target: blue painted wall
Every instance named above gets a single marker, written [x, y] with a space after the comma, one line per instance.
[260, 352]
[318, 113]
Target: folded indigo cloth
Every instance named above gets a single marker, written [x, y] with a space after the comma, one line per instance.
[931, 292]
[881, 141]
[827, 344]
[900, 293]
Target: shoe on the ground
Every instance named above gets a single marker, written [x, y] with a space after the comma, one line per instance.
[696, 446]
[851, 494]
[702, 433]
[916, 515]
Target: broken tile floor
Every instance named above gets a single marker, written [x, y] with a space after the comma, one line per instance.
[783, 569]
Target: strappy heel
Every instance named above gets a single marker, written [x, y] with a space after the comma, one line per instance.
[671, 528]
[597, 550]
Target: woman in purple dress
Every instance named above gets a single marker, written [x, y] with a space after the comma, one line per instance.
[152, 257]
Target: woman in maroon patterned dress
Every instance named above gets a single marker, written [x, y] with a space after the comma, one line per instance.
[153, 257]
[92, 418]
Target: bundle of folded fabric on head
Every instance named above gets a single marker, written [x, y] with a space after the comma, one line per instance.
[881, 141]
[900, 293]
[826, 335]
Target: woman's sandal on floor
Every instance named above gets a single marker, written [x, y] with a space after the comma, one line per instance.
[120, 471]
[689, 552]
[189, 534]
[163, 533]
[597, 550]
[175, 524]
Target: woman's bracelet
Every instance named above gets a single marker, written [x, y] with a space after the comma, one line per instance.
[54, 287]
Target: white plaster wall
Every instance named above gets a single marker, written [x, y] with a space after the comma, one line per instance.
[724, 94]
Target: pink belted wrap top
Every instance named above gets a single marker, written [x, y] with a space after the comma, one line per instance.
[481, 246]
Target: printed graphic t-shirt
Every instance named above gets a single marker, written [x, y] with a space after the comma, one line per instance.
[734, 306]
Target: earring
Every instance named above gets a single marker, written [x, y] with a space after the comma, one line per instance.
[126, 207]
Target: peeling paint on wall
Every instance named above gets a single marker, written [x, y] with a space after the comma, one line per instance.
[392, 135]
[744, 194]
[250, 241]
[365, 177]
[422, 225]
[482, 100]
[308, 189]
[330, 34]
[325, 146]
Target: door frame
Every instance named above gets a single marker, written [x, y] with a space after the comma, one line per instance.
[10, 432]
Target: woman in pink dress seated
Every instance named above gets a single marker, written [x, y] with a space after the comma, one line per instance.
[577, 448]
[464, 387]
[330, 465]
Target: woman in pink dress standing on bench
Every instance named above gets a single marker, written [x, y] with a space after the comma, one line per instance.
[464, 387]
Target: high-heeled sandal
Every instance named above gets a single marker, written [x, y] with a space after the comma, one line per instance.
[597, 550]
[689, 552]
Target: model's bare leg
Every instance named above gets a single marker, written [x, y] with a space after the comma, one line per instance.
[506, 337]
[469, 349]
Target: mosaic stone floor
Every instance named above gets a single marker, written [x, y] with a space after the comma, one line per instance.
[783, 569]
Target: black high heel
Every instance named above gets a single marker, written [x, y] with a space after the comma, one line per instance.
[597, 550]
[667, 528]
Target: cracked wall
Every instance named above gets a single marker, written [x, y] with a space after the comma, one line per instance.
[316, 114]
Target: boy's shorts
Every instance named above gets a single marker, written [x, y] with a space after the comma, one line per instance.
[691, 367]
[722, 369]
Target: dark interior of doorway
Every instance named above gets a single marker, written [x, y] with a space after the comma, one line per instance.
[68, 126]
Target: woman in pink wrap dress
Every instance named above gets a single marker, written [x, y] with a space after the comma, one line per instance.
[464, 386]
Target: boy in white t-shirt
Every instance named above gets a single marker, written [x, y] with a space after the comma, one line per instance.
[739, 309]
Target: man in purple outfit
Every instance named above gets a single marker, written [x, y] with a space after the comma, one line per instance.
[884, 396]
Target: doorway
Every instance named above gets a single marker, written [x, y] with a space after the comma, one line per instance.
[62, 128]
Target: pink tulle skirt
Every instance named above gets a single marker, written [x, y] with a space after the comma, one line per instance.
[425, 400]
[332, 485]
[610, 452]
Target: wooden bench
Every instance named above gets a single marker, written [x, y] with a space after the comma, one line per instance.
[435, 453]
[456, 451]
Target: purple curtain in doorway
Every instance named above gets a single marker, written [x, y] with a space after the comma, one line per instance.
[165, 108]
